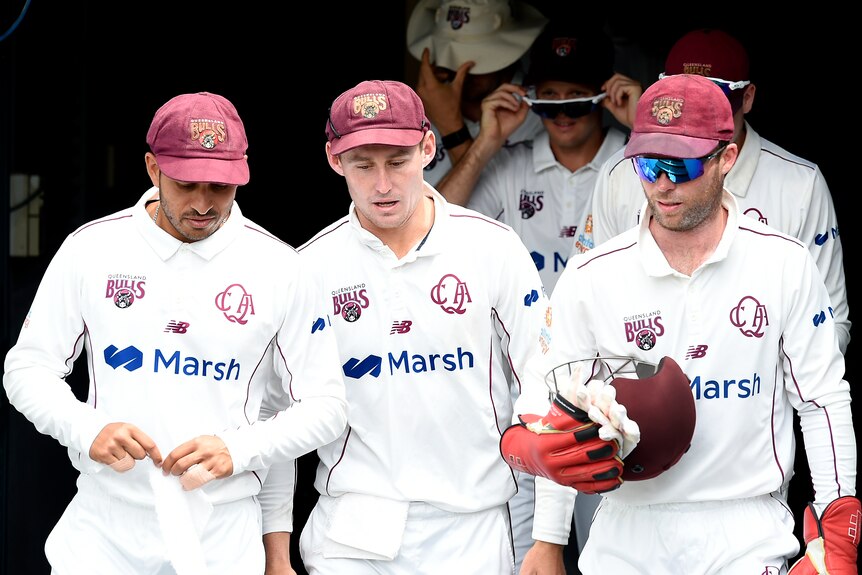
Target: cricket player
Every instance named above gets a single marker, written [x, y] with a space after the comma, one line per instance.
[770, 184]
[208, 364]
[437, 309]
[742, 308]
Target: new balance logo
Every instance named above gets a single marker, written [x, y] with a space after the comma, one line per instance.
[696, 351]
[400, 326]
[177, 326]
[130, 358]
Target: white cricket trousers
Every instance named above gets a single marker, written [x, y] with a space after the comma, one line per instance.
[434, 542]
[752, 536]
[522, 506]
[102, 535]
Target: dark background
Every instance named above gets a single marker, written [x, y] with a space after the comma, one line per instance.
[80, 81]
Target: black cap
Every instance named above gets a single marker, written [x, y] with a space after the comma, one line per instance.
[566, 53]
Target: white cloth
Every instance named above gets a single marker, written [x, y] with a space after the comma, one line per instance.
[182, 516]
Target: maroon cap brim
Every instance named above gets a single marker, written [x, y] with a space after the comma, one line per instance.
[231, 172]
[371, 136]
[670, 145]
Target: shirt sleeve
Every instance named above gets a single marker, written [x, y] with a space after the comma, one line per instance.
[821, 232]
[813, 374]
[36, 367]
[305, 358]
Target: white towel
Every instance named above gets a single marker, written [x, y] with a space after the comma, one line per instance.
[182, 517]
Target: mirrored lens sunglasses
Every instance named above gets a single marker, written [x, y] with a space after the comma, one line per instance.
[678, 170]
[726, 86]
[573, 107]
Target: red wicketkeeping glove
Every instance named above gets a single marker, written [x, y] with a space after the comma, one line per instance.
[563, 446]
[831, 541]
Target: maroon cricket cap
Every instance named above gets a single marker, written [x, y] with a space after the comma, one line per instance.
[663, 407]
[708, 52]
[200, 138]
[382, 112]
[681, 116]
[712, 53]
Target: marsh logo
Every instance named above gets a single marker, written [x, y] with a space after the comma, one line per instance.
[404, 362]
[318, 325]
[130, 358]
[355, 369]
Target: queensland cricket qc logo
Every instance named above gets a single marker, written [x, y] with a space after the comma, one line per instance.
[348, 302]
[451, 294]
[644, 330]
[235, 303]
[750, 317]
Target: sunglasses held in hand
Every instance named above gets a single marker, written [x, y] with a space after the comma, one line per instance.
[572, 107]
[678, 170]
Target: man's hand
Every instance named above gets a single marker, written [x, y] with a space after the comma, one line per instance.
[503, 111]
[119, 445]
[622, 101]
[563, 446]
[543, 559]
[204, 458]
[442, 100]
[831, 541]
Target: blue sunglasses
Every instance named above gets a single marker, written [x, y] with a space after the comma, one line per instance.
[573, 107]
[678, 170]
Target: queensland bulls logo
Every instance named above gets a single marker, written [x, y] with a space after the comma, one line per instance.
[349, 301]
[530, 203]
[750, 317]
[351, 311]
[451, 294]
[123, 289]
[235, 303]
[644, 329]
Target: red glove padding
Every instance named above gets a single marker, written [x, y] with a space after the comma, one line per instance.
[564, 446]
[830, 541]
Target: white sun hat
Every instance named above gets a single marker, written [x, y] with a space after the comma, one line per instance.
[491, 33]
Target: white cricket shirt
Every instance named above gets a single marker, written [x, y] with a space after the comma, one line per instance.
[426, 344]
[525, 187]
[182, 339]
[771, 185]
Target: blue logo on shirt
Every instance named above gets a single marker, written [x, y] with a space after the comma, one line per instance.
[415, 363]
